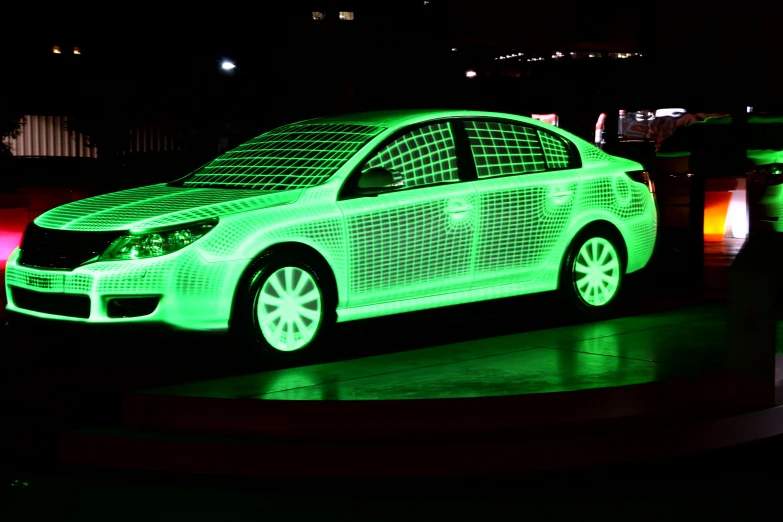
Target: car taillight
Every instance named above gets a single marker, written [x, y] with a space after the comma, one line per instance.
[642, 176]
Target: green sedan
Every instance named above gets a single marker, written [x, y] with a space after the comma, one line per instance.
[342, 218]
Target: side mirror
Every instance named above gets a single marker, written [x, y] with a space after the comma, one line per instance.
[375, 181]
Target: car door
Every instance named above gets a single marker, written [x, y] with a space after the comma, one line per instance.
[527, 184]
[416, 240]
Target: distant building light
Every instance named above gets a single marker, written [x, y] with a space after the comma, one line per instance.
[318, 15]
[56, 49]
[749, 109]
[470, 73]
[426, 2]
[346, 15]
[227, 65]
[76, 50]
[453, 48]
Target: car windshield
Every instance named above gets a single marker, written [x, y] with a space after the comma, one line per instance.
[289, 157]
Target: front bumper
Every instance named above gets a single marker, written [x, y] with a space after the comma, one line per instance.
[180, 289]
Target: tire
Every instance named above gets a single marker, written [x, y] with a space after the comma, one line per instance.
[288, 309]
[593, 272]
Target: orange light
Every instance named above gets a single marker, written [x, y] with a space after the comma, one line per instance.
[56, 49]
[76, 50]
[716, 208]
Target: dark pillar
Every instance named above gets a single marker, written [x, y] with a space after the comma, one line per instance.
[753, 295]
[695, 258]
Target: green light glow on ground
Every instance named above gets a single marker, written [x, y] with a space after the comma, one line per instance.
[484, 205]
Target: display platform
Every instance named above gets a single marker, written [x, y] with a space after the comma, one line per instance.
[627, 389]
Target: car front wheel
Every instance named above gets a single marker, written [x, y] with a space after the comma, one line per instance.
[288, 308]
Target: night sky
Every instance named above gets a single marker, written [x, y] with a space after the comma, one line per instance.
[485, 22]
[153, 46]
[163, 31]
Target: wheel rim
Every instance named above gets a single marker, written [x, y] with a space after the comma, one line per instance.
[597, 272]
[289, 309]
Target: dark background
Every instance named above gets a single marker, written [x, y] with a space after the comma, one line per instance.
[143, 63]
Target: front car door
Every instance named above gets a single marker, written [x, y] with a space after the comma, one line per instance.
[527, 184]
[418, 239]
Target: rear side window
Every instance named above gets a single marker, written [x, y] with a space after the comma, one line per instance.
[556, 151]
[501, 149]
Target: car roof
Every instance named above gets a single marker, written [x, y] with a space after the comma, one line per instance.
[398, 117]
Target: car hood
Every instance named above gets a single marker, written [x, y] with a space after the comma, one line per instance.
[158, 206]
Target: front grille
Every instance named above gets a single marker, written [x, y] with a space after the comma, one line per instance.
[62, 249]
[68, 305]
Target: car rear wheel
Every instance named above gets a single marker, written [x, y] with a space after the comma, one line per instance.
[288, 308]
[592, 273]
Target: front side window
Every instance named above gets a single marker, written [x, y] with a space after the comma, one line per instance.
[424, 156]
[501, 149]
[289, 157]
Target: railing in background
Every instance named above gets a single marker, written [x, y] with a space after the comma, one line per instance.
[49, 136]
[153, 137]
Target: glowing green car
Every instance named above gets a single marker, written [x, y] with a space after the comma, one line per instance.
[343, 218]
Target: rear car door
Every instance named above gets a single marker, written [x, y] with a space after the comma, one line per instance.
[527, 183]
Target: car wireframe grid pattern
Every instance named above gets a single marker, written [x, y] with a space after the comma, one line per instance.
[484, 205]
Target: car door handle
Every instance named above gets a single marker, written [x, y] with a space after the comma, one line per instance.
[458, 206]
[561, 194]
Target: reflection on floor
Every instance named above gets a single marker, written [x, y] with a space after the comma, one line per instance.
[722, 253]
[718, 257]
[629, 350]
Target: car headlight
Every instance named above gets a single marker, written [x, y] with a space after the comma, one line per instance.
[143, 245]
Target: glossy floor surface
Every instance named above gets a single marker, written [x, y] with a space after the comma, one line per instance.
[617, 352]
[55, 379]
